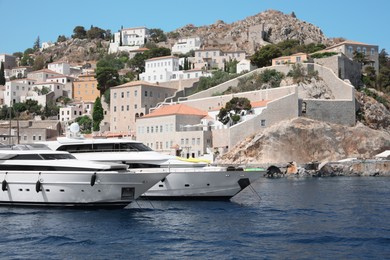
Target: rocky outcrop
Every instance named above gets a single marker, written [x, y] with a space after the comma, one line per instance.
[76, 51]
[255, 31]
[304, 140]
[372, 113]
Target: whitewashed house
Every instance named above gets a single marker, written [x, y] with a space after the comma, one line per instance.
[59, 67]
[245, 65]
[129, 39]
[185, 45]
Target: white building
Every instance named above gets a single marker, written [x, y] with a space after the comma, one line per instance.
[70, 112]
[42, 75]
[186, 44]
[15, 89]
[59, 67]
[160, 69]
[216, 58]
[163, 69]
[245, 65]
[129, 39]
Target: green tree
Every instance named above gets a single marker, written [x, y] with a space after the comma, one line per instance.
[360, 57]
[79, 32]
[39, 63]
[97, 114]
[264, 56]
[61, 38]
[37, 44]
[157, 35]
[2, 75]
[106, 77]
[96, 33]
[232, 110]
[27, 60]
[50, 109]
[85, 123]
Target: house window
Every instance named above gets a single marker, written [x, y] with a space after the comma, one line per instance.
[114, 95]
[350, 49]
[358, 49]
[364, 50]
[372, 51]
[198, 141]
[114, 108]
[127, 107]
[135, 93]
[122, 94]
[146, 93]
[182, 141]
[193, 141]
[262, 122]
[298, 59]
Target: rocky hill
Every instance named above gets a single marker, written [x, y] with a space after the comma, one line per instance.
[255, 31]
[248, 34]
[76, 51]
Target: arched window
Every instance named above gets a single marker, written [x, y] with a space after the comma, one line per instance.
[136, 115]
[141, 114]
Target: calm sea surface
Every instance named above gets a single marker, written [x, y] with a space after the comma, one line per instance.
[312, 218]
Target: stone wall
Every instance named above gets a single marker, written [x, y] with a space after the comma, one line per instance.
[277, 110]
[333, 111]
[343, 67]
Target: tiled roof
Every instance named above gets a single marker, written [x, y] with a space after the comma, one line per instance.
[349, 42]
[46, 71]
[177, 109]
[136, 83]
[163, 57]
[261, 103]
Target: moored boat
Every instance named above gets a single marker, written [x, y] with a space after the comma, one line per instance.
[33, 176]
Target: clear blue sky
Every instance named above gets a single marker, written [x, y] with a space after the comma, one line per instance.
[23, 21]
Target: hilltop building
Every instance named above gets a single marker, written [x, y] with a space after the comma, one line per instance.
[128, 39]
[186, 45]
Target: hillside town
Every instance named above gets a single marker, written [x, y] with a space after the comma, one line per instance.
[163, 107]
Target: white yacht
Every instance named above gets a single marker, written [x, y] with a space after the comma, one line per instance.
[33, 176]
[187, 179]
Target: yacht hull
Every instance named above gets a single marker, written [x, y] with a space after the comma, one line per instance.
[75, 189]
[204, 183]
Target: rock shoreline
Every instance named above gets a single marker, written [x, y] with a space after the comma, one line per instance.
[355, 167]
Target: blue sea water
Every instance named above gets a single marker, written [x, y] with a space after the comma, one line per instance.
[311, 218]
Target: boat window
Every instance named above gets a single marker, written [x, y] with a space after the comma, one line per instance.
[104, 147]
[47, 156]
[26, 157]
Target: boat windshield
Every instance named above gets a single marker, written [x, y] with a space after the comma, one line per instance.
[45, 156]
[104, 147]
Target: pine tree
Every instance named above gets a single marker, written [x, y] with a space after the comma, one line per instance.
[37, 44]
[2, 75]
[98, 114]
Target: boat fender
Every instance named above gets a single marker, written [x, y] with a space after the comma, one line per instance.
[4, 185]
[38, 186]
[244, 182]
[93, 179]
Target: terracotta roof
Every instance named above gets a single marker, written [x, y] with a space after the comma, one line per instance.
[46, 71]
[349, 42]
[163, 57]
[261, 103]
[177, 109]
[139, 50]
[136, 83]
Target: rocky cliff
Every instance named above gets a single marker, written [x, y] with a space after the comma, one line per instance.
[304, 140]
[255, 31]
